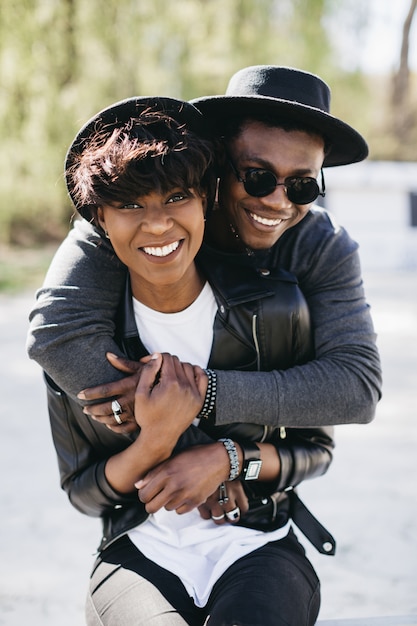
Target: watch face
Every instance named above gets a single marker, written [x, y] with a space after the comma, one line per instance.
[253, 470]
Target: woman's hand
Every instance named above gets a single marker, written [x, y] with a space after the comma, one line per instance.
[168, 397]
[124, 391]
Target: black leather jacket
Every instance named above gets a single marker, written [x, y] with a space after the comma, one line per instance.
[252, 331]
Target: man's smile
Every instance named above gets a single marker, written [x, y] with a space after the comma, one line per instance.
[266, 221]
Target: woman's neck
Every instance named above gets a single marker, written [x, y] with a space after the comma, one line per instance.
[169, 298]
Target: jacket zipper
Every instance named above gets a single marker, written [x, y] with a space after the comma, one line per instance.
[256, 342]
[282, 431]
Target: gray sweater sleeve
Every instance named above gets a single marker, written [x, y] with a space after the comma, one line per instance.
[72, 322]
[72, 325]
[342, 385]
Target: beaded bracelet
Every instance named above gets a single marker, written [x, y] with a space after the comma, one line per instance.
[210, 399]
[233, 458]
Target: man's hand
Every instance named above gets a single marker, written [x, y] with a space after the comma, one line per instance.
[123, 390]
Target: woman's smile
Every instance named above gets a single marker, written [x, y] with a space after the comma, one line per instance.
[162, 251]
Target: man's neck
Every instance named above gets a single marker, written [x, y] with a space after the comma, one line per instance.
[219, 233]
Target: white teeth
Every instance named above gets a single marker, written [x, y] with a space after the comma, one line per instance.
[265, 221]
[164, 251]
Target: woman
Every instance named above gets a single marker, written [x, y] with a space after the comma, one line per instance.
[142, 172]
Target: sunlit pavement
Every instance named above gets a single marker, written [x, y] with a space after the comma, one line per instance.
[368, 499]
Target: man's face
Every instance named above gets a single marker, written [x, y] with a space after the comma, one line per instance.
[260, 222]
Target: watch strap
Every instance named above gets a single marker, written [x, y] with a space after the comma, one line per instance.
[252, 463]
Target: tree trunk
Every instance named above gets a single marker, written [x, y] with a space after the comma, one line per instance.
[401, 80]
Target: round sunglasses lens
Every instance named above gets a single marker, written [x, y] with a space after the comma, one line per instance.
[302, 190]
[260, 183]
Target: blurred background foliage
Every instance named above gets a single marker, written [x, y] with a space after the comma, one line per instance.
[63, 60]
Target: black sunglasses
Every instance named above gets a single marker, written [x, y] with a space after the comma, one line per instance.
[299, 189]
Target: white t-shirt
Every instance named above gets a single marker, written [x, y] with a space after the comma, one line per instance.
[197, 551]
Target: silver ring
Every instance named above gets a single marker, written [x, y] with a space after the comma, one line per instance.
[217, 518]
[223, 497]
[117, 418]
[233, 515]
[117, 410]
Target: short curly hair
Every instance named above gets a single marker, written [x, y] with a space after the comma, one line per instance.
[153, 152]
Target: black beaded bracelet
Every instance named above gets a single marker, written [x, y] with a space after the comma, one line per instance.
[210, 399]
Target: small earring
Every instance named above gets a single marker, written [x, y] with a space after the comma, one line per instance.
[106, 234]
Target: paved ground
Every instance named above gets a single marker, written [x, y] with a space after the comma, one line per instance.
[368, 499]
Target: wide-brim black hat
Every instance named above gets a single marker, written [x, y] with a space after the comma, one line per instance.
[121, 113]
[288, 94]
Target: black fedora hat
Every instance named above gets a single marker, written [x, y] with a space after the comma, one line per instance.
[121, 113]
[289, 94]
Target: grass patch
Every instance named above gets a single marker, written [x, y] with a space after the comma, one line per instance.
[23, 268]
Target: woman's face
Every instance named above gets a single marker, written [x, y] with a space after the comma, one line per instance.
[260, 222]
[157, 237]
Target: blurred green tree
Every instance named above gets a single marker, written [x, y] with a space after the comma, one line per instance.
[63, 60]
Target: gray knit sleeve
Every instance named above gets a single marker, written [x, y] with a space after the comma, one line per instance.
[342, 385]
[72, 321]
[72, 325]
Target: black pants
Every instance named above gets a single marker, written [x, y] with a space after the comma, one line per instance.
[273, 586]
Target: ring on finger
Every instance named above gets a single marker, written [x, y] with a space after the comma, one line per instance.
[217, 518]
[233, 515]
[223, 497]
[117, 410]
[118, 418]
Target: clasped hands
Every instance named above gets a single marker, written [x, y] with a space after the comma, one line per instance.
[189, 480]
[190, 379]
[162, 393]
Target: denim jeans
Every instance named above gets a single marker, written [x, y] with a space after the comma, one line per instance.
[273, 586]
